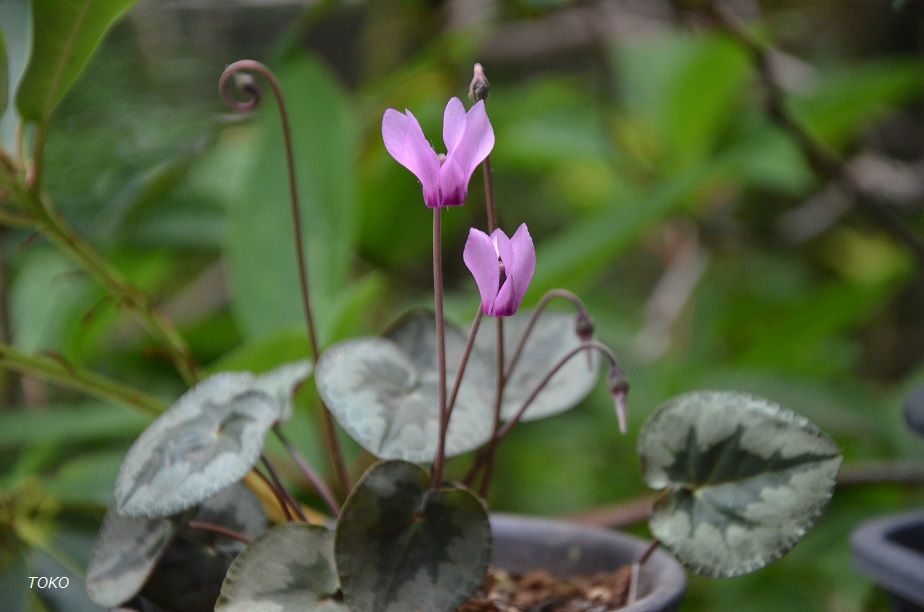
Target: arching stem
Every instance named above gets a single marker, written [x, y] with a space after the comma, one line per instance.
[249, 87]
[616, 377]
[220, 530]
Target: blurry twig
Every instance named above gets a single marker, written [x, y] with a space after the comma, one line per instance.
[637, 510]
[821, 160]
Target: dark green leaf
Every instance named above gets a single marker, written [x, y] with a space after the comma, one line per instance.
[743, 479]
[69, 34]
[401, 545]
[288, 569]
[211, 437]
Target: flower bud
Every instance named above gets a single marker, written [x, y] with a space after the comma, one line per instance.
[619, 390]
[478, 90]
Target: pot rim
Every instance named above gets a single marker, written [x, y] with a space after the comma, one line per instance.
[663, 579]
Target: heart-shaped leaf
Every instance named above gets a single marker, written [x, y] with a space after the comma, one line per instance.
[383, 392]
[280, 384]
[401, 545]
[552, 338]
[743, 479]
[210, 438]
[290, 568]
[126, 551]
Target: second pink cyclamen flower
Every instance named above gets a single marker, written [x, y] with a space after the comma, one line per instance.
[469, 139]
[483, 255]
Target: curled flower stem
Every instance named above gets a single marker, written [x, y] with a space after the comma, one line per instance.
[463, 364]
[652, 547]
[583, 315]
[236, 72]
[220, 530]
[504, 431]
[309, 473]
[440, 459]
[285, 497]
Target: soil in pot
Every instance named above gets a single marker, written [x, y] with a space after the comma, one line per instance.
[541, 591]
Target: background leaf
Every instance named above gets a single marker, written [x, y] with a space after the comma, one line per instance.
[69, 34]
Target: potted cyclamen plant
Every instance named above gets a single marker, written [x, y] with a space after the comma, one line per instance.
[741, 478]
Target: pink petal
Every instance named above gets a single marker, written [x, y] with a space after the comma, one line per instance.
[481, 260]
[524, 262]
[452, 187]
[476, 142]
[453, 123]
[405, 141]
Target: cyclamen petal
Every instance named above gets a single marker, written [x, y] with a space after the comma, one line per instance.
[469, 139]
[483, 255]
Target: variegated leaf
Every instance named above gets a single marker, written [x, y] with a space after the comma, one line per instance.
[210, 438]
[125, 554]
[743, 479]
[401, 545]
[290, 568]
[281, 384]
[383, 392]
[552, 338]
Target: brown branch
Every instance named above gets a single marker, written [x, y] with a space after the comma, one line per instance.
[637, 510]
[823, 162]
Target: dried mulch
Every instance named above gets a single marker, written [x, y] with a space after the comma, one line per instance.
[540, 591]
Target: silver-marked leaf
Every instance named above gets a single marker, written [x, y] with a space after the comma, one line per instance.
[386, 401]
[290, 568]
[211, 437]
[401, 545]
[125, 553]
[190, 573]
[280, 384]
[743, 479]
[551, 339]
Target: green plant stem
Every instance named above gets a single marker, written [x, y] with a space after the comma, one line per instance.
[42, 215]
[57, 370]
[68, 241]
[440, 459]
[330, 441]
[504, 431]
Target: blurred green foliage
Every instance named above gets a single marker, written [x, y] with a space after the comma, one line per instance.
[621, 156]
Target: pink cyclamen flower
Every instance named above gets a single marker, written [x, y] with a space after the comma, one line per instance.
[469, 139]
[484, 255]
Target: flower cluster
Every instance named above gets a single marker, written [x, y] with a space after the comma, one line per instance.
[502, 266]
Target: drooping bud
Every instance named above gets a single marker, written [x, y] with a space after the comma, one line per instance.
[619, 390]
[478, 90]
[584, 326]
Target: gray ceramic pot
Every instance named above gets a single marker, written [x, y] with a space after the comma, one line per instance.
[524, 544]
